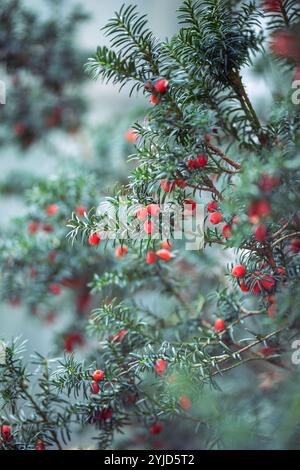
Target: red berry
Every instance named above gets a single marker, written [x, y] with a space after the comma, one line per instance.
[52, 209]
[272, 5]
[121, 251]
[167, 186]
[281, 271]
[150, 257]
[191, 163]
[98, 375]
[226, 231]
[80, 211]
[260, 233]
[219, 325]
[268, 282]
[166, 245]
[40, 445]
[131, 136]
[258, 209]
[33, 227]
[239, 271]
[215, 218]
[201, 161]
[185, 402]
[267, 351]
[94, 239]
[191, 206]
[142, 214]
[156, 428]
[164, 255]
[283, 44]
[268, 182]
[119, 336]
[256, 288]
[212, 206]
[160, 366]
[55, 289]
[153, 209]
[295, 245]
[148, 227]
[161, 86]
[48, 228]
[95, 387]
[154, 99]
[106, 413]
[5, 432]
[180, 183]
[244, 287]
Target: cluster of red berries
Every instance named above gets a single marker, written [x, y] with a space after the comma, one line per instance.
[158, 88]
[164, 254]
[197, 163]
[71, 340]
[97, 376]
[145, 214]
[34, 227]
[169, 186]
[257, 281]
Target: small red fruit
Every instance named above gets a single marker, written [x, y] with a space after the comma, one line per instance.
[164, 255]
[166, 245]
[80, 211]
[167, 186]
[119, 336]
[52, 209]
[154, 99]
[156, 428]
[271, 5]
[142, 214]
[148, 227]
[98, 375]
[268, 282]
[185, 402]
[161, 86]
[244, 287]
[212, 206]
[295, 245]
[153, 209]
[95, 387]
[239, 271]
[201, 161]
[267, 351]
[5, 432]
[33, 227]
[160, 366]
[180, 183]
[219, 325]
[215, 218]
[258, 209]
[40, 445]
[131, 136]
[94, 239]
[151, 257]
[191, 206]
[260, 233]
[268, 182]
[48, 228]
[121, 251]
[55, 289]
[226, 231]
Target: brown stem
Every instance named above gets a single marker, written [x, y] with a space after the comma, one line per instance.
[223, 156]
[290, 235]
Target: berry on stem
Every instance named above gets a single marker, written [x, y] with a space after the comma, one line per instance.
[185, 402]
[219, 325]
[142, 214]
[151, 257]
[160, 366]
[156, 428]
[239, 271]
[212, 206]
[226, 231]
[161, 85]
[121, 251]
[164, 255]
[153, 209]
[148, 227]
[95, 389]
[98, 375]
[94, 239]
[215, 218]
[5, 432]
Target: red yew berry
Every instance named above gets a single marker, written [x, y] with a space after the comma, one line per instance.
[185, 402]
[161, 86]
[156, 428]
[95, 389]
[131, 136]
[239, 271]
[142, 214]
[166, 245]
[295, 245]
[167, 186]
[106, 413]
[121, 251]
[268, 282]
[98, 375]
[160, 366]
[281, 271]
[55, 289]
[153, 209]
[267, 351]
[219, 325]
[52, 209]
[148, 227]
[48, 228]
[164, 255]
[272, 310]
[215, 218]
[212, 206]
[119, 336]
[5, 432]
[33, 227]
[71, 340]
[244, 287]
[191, 163]
[226, 231]
[94, 239]
[154, 99]
[180, 183]
[201, 161]
[260, 233]
[151, 257]
[80, 211]
[283, 45]
[258, 209]
[191, 206]
[40, 445]
[268, 182]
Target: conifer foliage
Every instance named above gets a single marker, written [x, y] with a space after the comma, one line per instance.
[203, 141]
